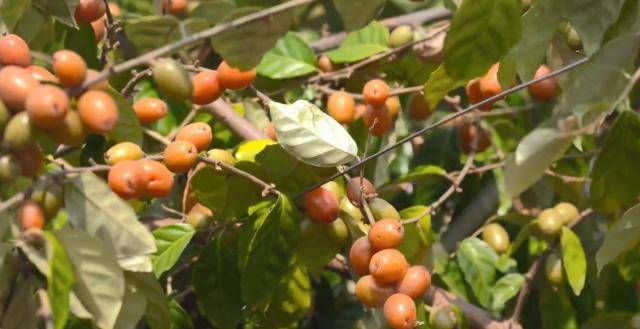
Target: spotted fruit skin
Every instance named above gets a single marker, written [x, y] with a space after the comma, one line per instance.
[127, 179]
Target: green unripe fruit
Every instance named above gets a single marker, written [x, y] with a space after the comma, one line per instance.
[221, 155]
[9, 167]
[172, 79]
[198, 220]
[568, 211]
[71, 132]
[334, 188]
[400, 36]
[337, 231]
[550, 221]
[441, 318]
[123, 151]
[19, 132]
[5, 115]
[496, 237]
[381, 209]
[572, 38]
[49, 198]
[349, 212]
[553, 269]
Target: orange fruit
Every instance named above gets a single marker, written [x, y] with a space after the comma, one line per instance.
[180, 156]
[14, 51]
[233, 78]
[16, 84]
[360, 256]
[89, 11]
[375, 92]
[159, 178]
[70, 68]
[386, 234]
[206, 87]
[400, 312]
[127, 179]
[378, 116]
[415, 282]
[546, 89]
[321, 205]
[149, 110]
[30, 215]
[198, 133]
[47, 106]
[98, 111]
[41, 74]
[342, 107]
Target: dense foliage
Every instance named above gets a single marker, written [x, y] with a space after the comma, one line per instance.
[319, 164]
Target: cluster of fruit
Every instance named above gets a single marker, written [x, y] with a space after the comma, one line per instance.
[551, 220]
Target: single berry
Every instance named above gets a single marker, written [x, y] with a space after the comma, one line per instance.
[400, 311]
[496, 237]
[14, 51]
[150, 109]
[360, 256]
[342, 107]
[386, 234]
[123, 151]
[47, 106]
[419, 109]
[172, 79]
[127, 179]
[375, 92]
[89, 11]
[159, 178]
[388, 266]
[372, 294]
[198, 133]
[358, 187]
[321, 205]
[30, 215]
[206, 87]
[180, 156]
[415, 282]
[70, 68]
[16, 84]
[377, 120]
[546, 89]
[233, 78]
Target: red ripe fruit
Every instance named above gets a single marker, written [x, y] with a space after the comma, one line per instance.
[357, 187]
[546, 89]
[30, 215]
[89, 11]
[47, 106]
[127, 179]
[198, 133]
[16, 84]
[400, 311]
[159, 178]
[386, 234]
[388, 266]
[14, 51]
[321, 205]
[233, 78]
[360, 256]
[206, 87]
[415, 282]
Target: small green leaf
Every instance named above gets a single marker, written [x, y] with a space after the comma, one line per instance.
[360, 44]
[266, 250]
[59, 281]
[591, 19]
[170, 242]
[128, 127]
[506, 288]
[622, 235]
[62, 10]
[357, 13]
[92, 206]
[439, 85]
[290, 58]
[180, 319]
[418, 234]
[616, 187]
[216, 281]
[99, 279]
[573, 260]
[311, 135]
[481, 33]
[477, 261]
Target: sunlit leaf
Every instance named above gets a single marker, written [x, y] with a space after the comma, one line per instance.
[59, 281]
[291, 57]
[439, 85]
[505, 288]
[361, 44]
[573, 260]
[170, 242]
[477, 261]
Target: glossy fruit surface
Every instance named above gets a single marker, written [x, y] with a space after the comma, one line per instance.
[550, 221]
[388, 266]
[19, 133]
[30, 215]
[393, 106]
[49, 198]
[198, 133]
[573, 39]
[123, 151]
[415, 282]
[98, 111]
[174, 7]
[233, 78]
[70, 68]
[400, 36]
[9, 167]
[381, 209]
[180, 156]
[206, 87]
[473, 137]
[71, 131]
[496, 237]
[419, 109]
[442, 318]
[172, 79]
[375, 92]
[386, 234]
[371, 293]
[378, 118]
[553, 269]
[360, 256]
[568, 211]
[358, 187]
[324, 63]
[222, 156]
[127, 179]
[321, 205]
[41, 74]
[546, 89]
[99, 29]
[342, 107]
[159, 178]
[16, 84]
[89, 11]
[150, 109]
[14, 51]
[400, 311]
[47, 106]
[489, 84]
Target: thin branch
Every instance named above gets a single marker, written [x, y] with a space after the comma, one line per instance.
[187, 120]
[266, 188]
[197, 37]
[238, 124]
[135, 79]
[446, 120]
[157, 136]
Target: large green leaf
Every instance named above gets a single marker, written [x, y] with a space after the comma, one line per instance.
[21, 308]
[539, 25]
[357, 13]
[93, 207]
[219, 190]
[170, 242]
[591, 19]
[536, 151]
[59, 281]
[573, 260]
[439, 85]
[213, 10]
[291, 57]
[477, 261]
[288, 174]
[360, 44]
[12, 11]
[291, 302]
[243, 47]
[311, 135]
[616, 187]
[157, 312]
[62, 10]
[481, 33]
[133, 308]
[557, 311]
[180, 319]
[151, 32]
[622, 235]
[216, 281]
[99, 279]
[505, 288]
[128, 127]
[266, 249]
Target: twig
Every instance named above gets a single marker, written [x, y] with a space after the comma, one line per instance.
[135, 79]
[45, 309]
[187, 120]
[197, 37]
[533, 270]
[238, 124]
[157, 136]
[266, 188]
[565, 178]
[445, 120]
